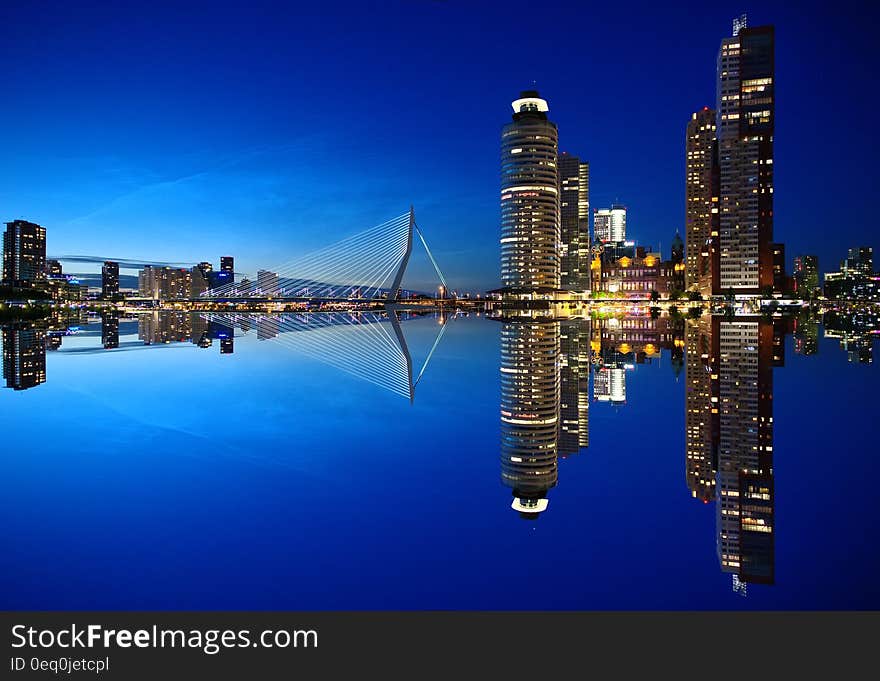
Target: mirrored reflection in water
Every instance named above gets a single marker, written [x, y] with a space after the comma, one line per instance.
[728, 372]
[557, 379]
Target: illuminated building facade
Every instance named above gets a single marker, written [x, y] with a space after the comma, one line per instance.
[746, 119]
[165, 283]
[530, 232]
[574, 217]
[24, 253]
[806, 276]
[609, 224]
[701, 203]
[109, 279]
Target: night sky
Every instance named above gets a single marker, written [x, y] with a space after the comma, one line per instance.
[264, 130]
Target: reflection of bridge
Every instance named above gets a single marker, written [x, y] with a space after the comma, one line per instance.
[368, 345]
[358, 268]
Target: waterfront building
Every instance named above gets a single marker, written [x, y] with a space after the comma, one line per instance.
[530, 232]
[574, 217]
[806, 276]
[109, 279]
[701, 203]
[165, 283]
[609, 224]
[745, 128]
[630, 271]
[24, 253]
[856, 280]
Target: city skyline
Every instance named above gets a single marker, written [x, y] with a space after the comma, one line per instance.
[185, 184]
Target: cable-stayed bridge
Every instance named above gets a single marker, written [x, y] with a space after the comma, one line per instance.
[368, 266]
[369, 345]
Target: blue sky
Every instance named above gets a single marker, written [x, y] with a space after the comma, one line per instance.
[264, 130]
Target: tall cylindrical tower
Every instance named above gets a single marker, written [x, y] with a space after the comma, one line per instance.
[530, 236]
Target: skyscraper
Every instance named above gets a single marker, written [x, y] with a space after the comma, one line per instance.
[530, 233]
[109, 279]
[701, 203]
[574, 216]
[609, 224]
[746, 84]
[806, 275]
[227, 264]
[24, 253]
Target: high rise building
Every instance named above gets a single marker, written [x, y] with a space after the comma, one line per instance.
[24, 253]
[860, 260]
[574, 217]
[609, 224]
[855, 280]
[781, 280]
[746, 85]
[701, 203]
[165, 283]
[227, 264]
[109, 279]
[529, 412]
[530, 233]
[806, 275]
[54, 269]
[24, 356]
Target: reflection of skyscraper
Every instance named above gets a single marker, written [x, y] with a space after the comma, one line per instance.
[574, 219]
[574, 389]
[609, 384]
[24, 357]
[529, 198]
[164, 327]
[745, 449]
[110, 330]
[529, 412]
[701, 408]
